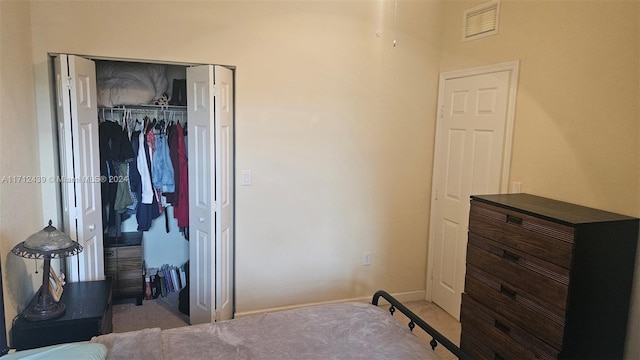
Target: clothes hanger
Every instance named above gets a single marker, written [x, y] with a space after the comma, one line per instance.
[123, 121]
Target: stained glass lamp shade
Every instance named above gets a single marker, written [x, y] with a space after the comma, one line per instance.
[48, 243]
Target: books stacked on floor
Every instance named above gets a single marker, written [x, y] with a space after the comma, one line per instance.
[164, 280]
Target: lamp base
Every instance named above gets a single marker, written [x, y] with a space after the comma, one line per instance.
[36, 312]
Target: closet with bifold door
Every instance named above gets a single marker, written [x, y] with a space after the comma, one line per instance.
[146, 177]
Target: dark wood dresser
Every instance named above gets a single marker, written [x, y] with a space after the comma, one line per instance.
[88, 313]
[123, 265]
[546, 279]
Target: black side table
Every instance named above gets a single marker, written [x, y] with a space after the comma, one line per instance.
[88, 313]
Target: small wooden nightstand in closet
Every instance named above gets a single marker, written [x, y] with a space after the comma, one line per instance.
[123, 265]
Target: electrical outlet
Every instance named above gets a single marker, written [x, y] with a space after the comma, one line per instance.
[366, 258]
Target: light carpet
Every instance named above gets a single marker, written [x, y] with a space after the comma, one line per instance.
[161, 312]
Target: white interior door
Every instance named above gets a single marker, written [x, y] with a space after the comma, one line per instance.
[210, 114]
[79, 161]
[469, 160]
[201, 193]
[224, 134]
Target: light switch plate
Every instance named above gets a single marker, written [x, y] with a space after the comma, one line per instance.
[246, 178]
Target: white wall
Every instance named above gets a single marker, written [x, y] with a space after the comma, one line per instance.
[577, 126]
[335, 123]
[21, 204]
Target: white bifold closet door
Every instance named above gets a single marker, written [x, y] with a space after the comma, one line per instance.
[211, 180]
[210, 126]
[79, 151]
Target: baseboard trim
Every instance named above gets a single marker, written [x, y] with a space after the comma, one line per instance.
[402, 297]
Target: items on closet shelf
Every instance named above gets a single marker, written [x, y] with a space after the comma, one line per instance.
[144, 170]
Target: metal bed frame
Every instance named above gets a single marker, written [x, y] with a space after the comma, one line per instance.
[436, 337]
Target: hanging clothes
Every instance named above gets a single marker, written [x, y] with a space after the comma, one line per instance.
[123, 192]
[143, 169]
[162, 168]
[181, 208]
[151, 143]
[148, 209]
[172, 197]
[135, 186]
[115, 150]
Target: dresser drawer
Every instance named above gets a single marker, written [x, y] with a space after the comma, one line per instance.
[521, 309]
[129, 265]
[132, 252]
[474, 347]
[522, 272]
[547, 240]
[481, 346]
[110, 253]
[504, 337]
[123, 265]
[130, 285]
[111, 266]
[136, 274]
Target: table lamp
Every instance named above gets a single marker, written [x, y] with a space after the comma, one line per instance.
[48, 243]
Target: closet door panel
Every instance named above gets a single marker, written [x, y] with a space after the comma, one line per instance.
[65, 150]
[84, 114]
[224, 191]
[201, 193]
[79, 163]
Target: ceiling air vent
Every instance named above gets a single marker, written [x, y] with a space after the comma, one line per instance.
[481, 21]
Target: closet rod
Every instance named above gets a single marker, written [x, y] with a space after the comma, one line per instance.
[145, 107]
[177, 113]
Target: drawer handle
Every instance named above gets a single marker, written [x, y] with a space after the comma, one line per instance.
[502, 327]
[510, 256]
[110, 253]
[514, 220]
[506, 291]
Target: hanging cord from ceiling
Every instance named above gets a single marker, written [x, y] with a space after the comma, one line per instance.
[380, 31]
[395, 23]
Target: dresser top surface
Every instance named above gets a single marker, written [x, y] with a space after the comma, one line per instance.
[126, 239]
[571, 214]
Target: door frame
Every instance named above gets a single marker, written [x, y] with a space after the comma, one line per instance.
[513, 68]
[65, 263]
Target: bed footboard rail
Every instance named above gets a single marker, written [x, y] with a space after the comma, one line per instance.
[436, 337]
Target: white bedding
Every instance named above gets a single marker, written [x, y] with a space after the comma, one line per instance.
[336, 331]
[122, 83]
